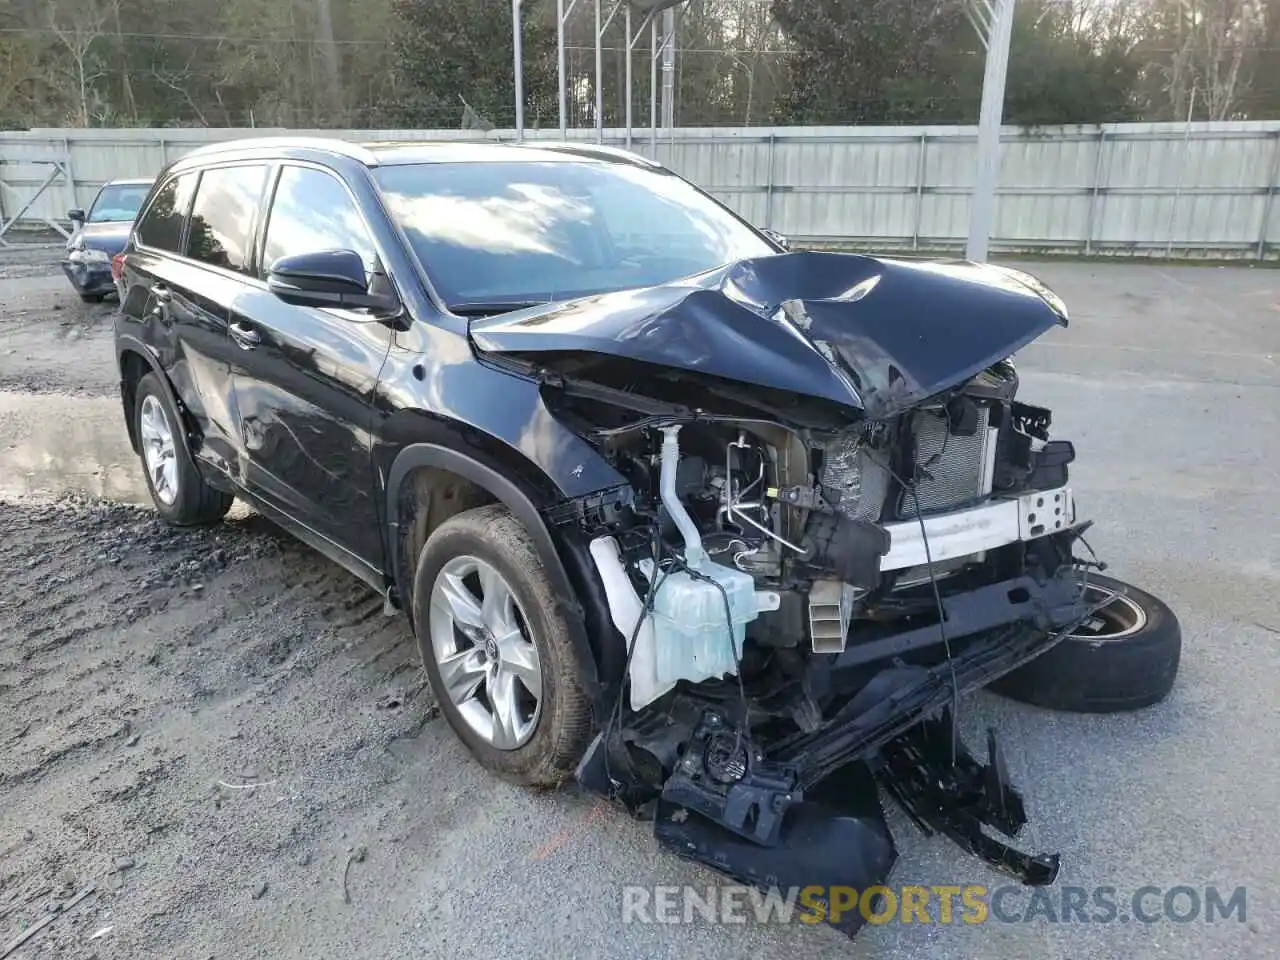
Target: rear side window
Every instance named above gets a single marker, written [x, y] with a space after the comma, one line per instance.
[311, 212]
[161, 226]
[221, 229]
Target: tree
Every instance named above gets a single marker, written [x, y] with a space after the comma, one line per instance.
[920, 61]
[445, 51]
[1067, 67]
[78, 27]
[871, 61]
[1200, 55]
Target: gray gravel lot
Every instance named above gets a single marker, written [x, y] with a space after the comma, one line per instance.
[149, 678]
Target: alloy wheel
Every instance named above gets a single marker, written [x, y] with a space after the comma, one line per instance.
[488, 664]
[158, 451]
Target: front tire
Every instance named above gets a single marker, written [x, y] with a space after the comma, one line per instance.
[497, 649]
[179, 493]
[1124, 657]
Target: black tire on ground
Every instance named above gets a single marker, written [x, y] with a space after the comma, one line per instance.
[564, 723]
[92, 297]
[1124, 658]
[196, 502]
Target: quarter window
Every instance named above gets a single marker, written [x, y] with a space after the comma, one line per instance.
[221, 229]
[312, 211]
[161, 226]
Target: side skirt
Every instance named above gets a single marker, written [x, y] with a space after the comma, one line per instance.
[320, 543]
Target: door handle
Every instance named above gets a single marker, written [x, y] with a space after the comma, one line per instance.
[246, 337]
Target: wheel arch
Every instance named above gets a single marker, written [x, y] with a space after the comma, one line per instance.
[480, 483]
[134, 362]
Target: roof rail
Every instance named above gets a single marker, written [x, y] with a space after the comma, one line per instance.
[344, 148]
[596, 150]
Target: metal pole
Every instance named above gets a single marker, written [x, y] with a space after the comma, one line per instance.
[1269, 204]
[920, 171]
[1177, 190]
[628, 53]
[564, 120]
[982, 208]
[668, 68]
[653, 89]
[517, 43]
[768, 187]
[1093, 195]
[599, 80]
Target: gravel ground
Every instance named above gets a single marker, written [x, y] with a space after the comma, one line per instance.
[51, 342]
[222, 734]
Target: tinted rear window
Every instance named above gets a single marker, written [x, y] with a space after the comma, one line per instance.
[221, 229]
[161, 227]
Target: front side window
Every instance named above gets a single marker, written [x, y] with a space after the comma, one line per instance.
[161, 225]
[527, 232]
[311, 212]
[221, 230]
[118, 203]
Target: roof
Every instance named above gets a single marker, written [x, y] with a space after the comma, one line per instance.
[444, 151]
[380, 153]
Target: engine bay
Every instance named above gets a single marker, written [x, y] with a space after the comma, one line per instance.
[802, 604]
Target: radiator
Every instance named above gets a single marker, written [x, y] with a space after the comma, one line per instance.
[951, 470]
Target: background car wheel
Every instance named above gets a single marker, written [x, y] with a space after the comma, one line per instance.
[178, 491]
[496, 648]
[92, 297]
[1123, 658]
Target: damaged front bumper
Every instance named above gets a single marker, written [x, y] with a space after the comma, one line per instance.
[800, 808]
[90, 278]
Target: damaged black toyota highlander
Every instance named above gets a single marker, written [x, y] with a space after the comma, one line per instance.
[724, 530]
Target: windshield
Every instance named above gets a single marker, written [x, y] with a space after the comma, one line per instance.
[491, 234]
[119, 203]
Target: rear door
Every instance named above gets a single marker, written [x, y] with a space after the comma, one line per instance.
[219, 261]
[305, 377]
[193, 249]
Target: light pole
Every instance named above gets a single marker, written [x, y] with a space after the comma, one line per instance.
[993, 19]
[517, 45]
[650, 9]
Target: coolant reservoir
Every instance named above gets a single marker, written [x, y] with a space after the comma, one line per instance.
[695, 638]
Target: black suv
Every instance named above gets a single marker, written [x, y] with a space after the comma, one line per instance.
[726, 529]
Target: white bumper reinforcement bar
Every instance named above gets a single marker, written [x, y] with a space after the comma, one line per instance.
[991, 525]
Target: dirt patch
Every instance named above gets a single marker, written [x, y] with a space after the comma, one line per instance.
[187, 719]
[50, 341]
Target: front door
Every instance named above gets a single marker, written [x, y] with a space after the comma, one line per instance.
[304, 377]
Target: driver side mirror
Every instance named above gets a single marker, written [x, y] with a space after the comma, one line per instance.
[330, 278]
[777, 238]
[76, 215]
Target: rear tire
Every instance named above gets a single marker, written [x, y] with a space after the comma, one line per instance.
[179, 493]
[92, 297]
[1124, 658]
[474, 557]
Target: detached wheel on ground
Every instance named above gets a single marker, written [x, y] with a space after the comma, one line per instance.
[1125, 656]
[178, 491]
[496, 648]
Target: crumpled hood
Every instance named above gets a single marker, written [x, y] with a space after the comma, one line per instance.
[875, 334]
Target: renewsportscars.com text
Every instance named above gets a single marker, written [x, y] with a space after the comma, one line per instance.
[937, 904]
